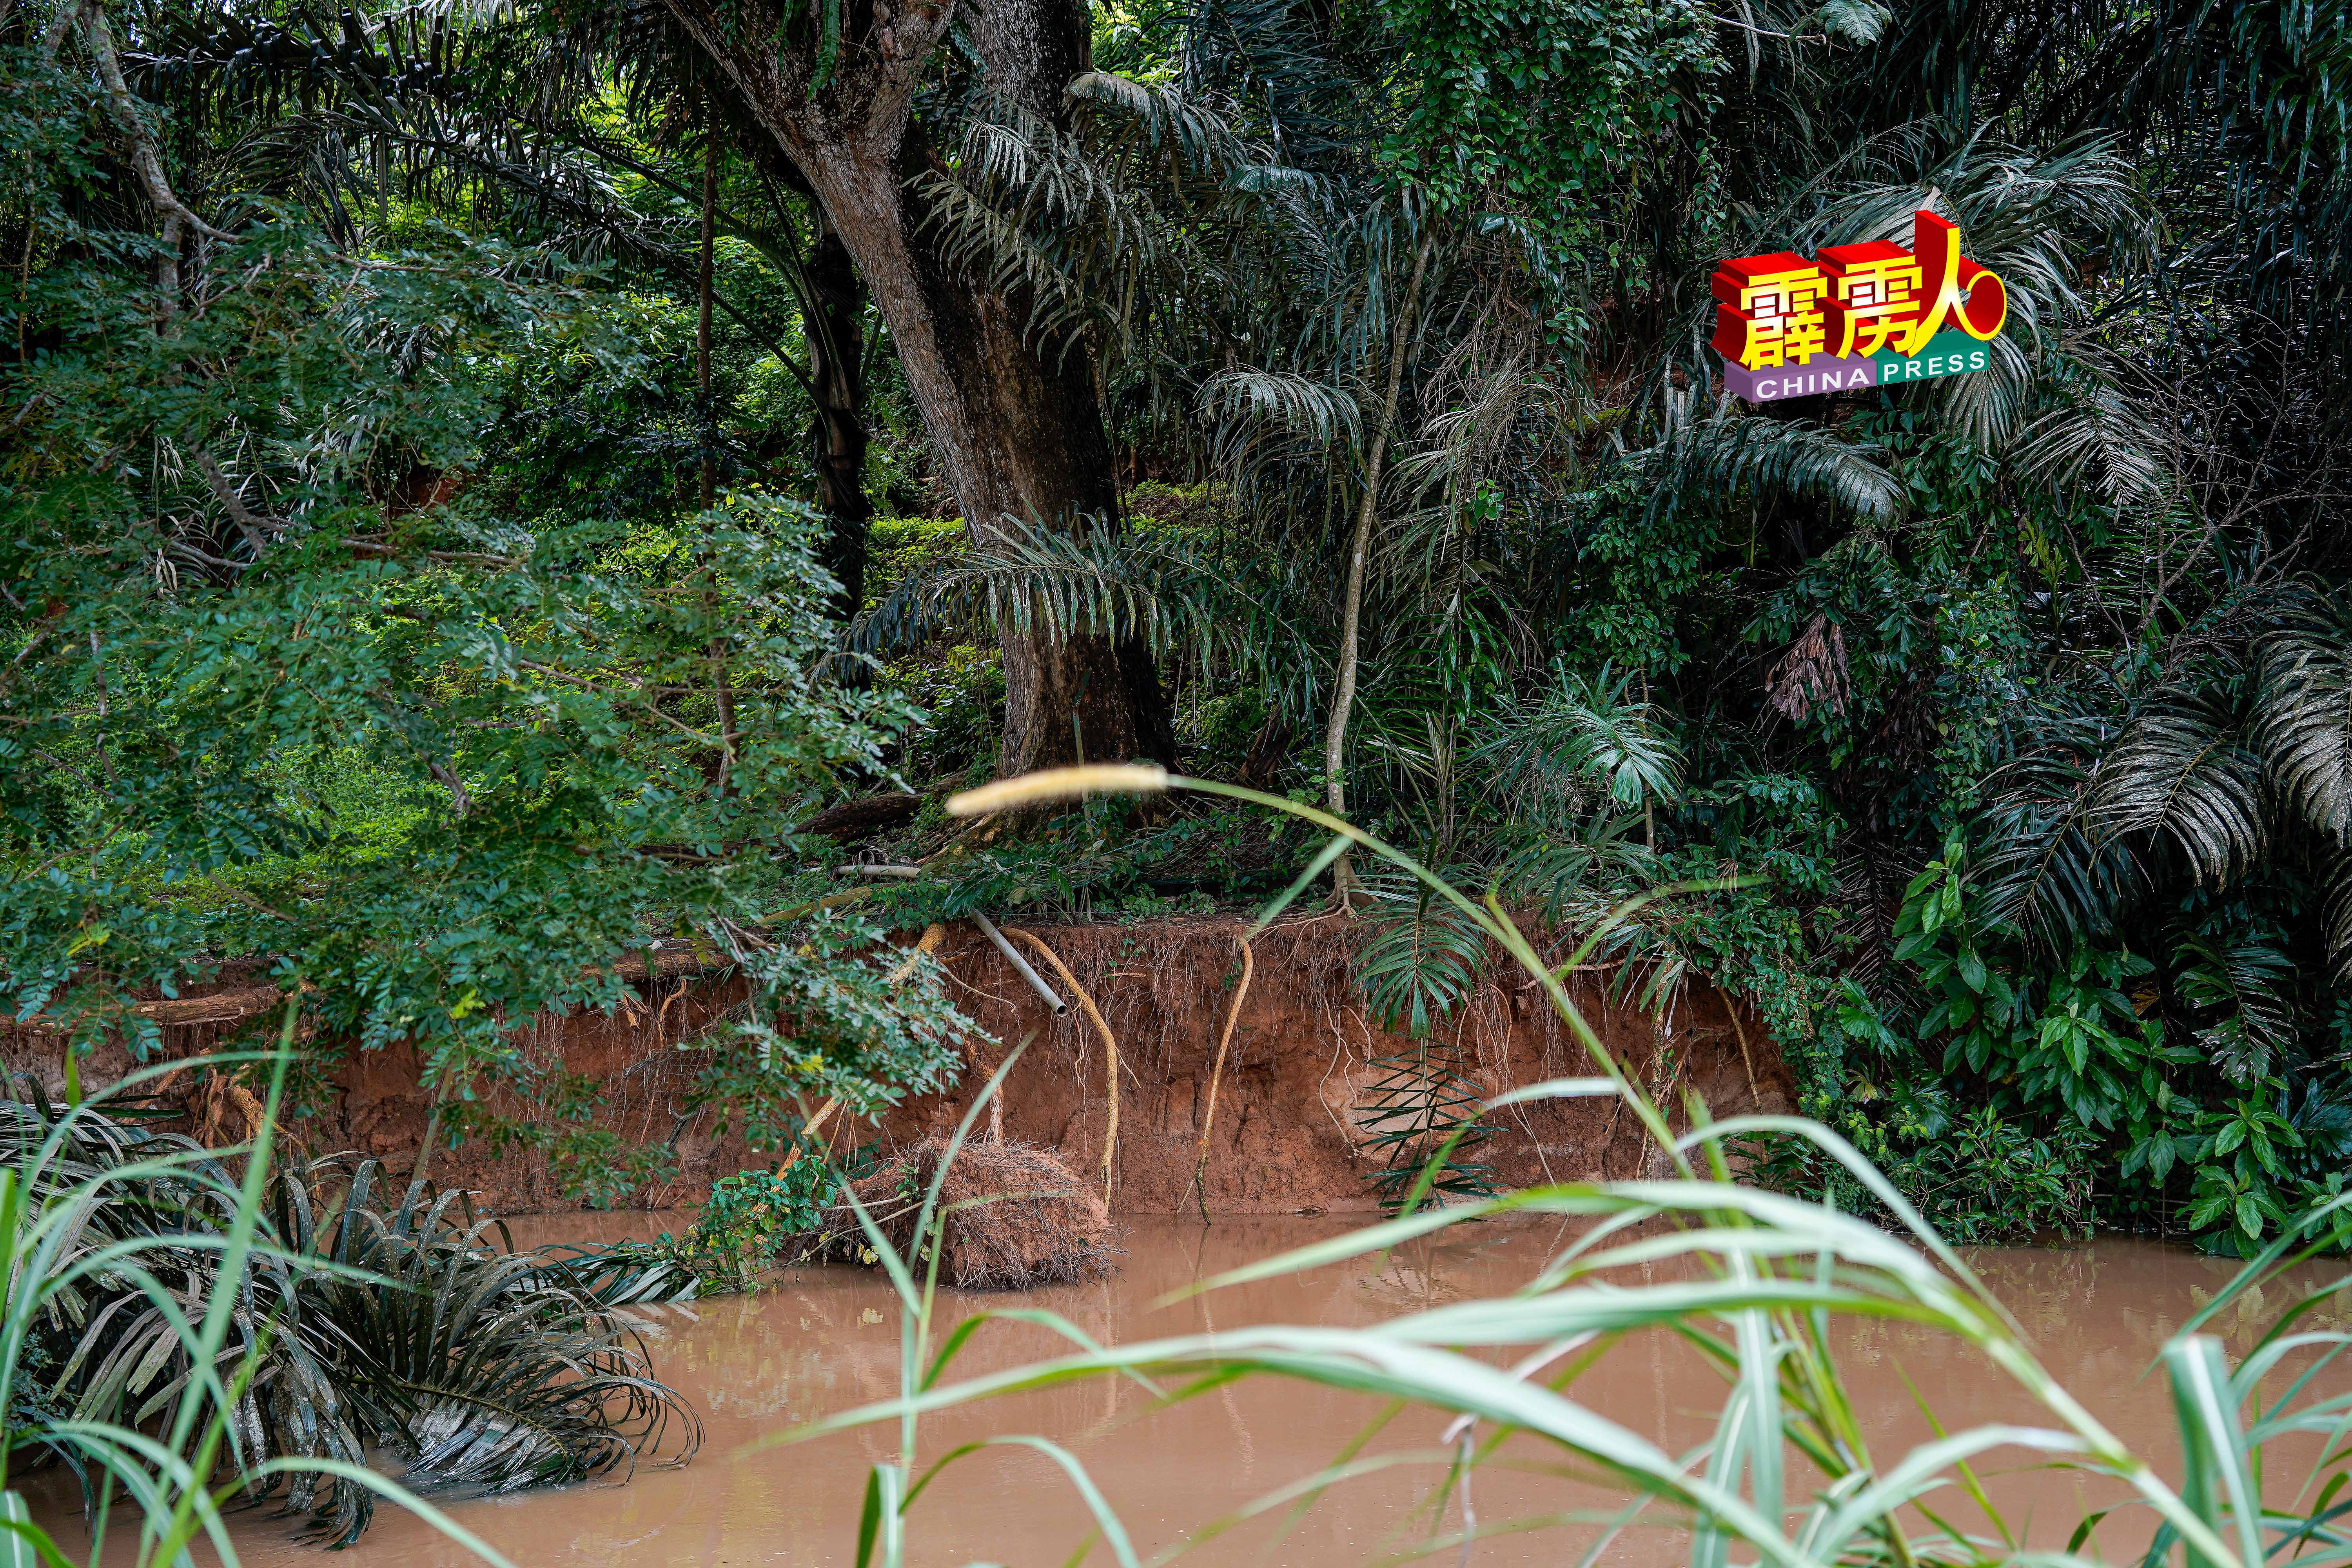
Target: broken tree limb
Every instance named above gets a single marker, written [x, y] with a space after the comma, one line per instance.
[859, 818]
[235, 1006]
[988, 928]
[179, 1011]
[660, 963]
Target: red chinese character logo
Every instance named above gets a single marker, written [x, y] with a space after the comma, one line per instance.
[1855, 300]
[1771, 310]
[1976, 300]
[1873, 294]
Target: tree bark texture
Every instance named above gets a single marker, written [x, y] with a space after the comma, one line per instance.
[837, 435]
[1015, 420]
[708, 467]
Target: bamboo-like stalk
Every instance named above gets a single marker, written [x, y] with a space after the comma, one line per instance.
[1368, 506]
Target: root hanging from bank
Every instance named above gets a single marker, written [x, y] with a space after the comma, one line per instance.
[1010, 1216]
[1216, 1075]
[1110, 1045]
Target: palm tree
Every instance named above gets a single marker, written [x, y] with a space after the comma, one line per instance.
[380, 1317]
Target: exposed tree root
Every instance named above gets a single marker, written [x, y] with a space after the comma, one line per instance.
[1216, 1074]
[1111, 1044]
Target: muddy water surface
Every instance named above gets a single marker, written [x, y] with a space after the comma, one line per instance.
[828, 1339]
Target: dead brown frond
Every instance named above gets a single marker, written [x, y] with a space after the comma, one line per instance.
[1811, 674]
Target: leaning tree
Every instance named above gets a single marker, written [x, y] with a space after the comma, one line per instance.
[1010, 403]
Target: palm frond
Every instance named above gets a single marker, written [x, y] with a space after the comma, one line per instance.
[2180, 770]
[1730, 453]
[2099, 439]
[1468, 443]
[484, 1366]
[2048, 870]
[1242, 401]
[1419, 959]
[1853, 21]
[1132, 226]
[369, 1319]
[1152, 583]
[2244, 979]
[1578, 744]
[1578, 875]
[2335, 918]
[2305, 717]
[1421, 1107]
[1285, 67]
[2024, 212]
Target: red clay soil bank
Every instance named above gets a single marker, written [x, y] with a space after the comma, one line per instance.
[1283, 1140]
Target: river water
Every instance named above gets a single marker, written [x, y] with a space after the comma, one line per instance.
[827, 1338]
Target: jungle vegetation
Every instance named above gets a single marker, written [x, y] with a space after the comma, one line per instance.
[1770, 1291]
[482, 481]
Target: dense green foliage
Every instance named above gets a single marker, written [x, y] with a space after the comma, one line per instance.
[1993, 737]
[757, 1220]
[263, 699]
[2017, 705]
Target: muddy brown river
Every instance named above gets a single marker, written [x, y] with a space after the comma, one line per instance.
[828, 1339]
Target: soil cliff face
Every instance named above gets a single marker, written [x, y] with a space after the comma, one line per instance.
[1294, 1082]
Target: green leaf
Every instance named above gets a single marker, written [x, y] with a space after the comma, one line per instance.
[18, 1534]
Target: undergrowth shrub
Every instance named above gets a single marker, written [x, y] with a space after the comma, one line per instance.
[756, 1219]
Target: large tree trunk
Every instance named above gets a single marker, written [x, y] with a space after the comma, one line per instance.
[1014, 419]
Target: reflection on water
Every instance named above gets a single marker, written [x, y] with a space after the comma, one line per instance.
[828, 1339]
